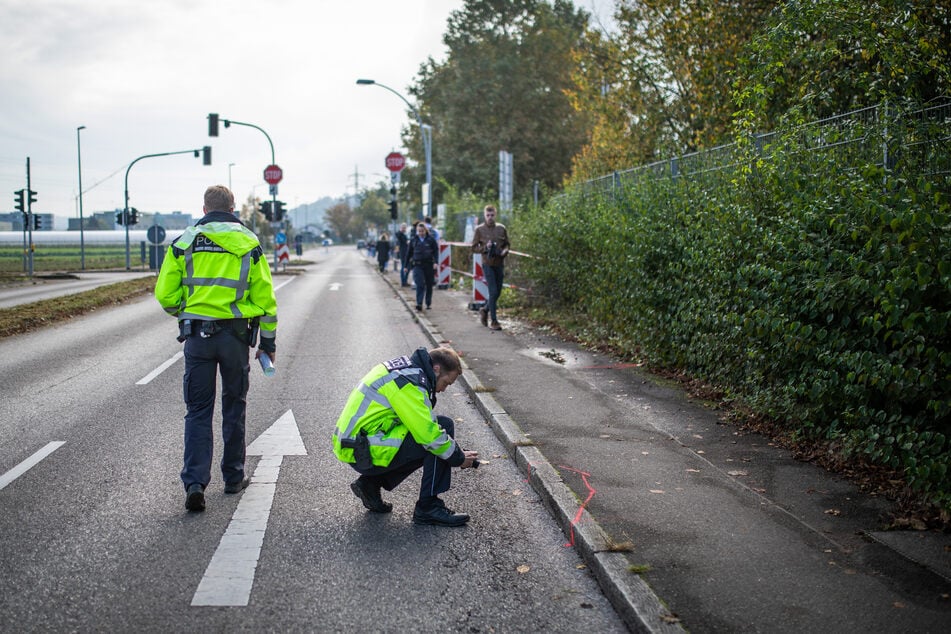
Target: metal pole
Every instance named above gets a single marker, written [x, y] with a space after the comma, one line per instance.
[82, 242]
[125, 209]
[425, 132]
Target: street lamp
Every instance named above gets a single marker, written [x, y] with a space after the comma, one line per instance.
[425, 130]
[82, 242]
[230, 165]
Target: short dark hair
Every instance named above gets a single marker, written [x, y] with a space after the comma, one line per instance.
[446, 358]
[219, 198]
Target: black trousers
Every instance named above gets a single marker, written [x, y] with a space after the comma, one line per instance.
[437, 474]
[205, 357]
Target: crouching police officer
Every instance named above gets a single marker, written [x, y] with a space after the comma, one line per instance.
[216, 281]
[388, 430]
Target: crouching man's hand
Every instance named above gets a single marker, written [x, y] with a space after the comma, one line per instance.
[472, 458]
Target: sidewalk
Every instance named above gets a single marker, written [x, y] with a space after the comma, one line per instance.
[687, 522]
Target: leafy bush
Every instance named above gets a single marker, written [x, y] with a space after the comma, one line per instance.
[810, 283]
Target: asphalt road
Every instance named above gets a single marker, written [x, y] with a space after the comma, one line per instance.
[94, 537]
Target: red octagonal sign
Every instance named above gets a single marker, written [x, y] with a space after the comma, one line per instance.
[395, 162]
[273, 174]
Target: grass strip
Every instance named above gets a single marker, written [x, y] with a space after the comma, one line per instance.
[24, 318]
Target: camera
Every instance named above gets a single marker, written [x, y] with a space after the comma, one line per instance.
[492, 250]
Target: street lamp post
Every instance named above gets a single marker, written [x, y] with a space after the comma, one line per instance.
[230, 165]
[425, 131]
[82, 242]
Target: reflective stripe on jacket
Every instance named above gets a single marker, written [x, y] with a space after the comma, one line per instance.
[217, 270]
[391, 401]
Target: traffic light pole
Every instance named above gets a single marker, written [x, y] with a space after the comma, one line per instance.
[206, 151]
[213, 131]
[29, 216]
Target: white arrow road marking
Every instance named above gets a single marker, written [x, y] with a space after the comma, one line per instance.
[335, 286]
[230, 575]
[29, 463]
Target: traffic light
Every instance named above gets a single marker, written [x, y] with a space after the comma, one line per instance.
[133, 216]
[278, 211]
[119, 217]
[36, 221]
[265, 208]
[32, 197]
[19, 199]
[213, 124]
[393, 210]
[206, 155]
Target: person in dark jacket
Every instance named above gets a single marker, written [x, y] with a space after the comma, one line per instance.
[383, 251]
[422, 255]
[402, 246]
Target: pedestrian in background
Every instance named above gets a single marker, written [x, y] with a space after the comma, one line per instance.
[432, 230]
[402, 249]
[216, 281]
[491, 240]
[383, 251]
[387, 430]
[422, 253]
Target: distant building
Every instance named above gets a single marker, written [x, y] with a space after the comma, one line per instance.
[104, 220]
[15, 220]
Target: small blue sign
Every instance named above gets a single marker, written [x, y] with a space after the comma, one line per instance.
[280, 238]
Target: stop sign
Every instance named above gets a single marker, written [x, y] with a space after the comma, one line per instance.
[395, 162]
[273, 174]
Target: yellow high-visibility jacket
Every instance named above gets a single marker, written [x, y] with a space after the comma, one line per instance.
[393, 400]
[217, 270]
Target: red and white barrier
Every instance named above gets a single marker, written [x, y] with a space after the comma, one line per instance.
[283, 253]
[443, 279]
[480, 290]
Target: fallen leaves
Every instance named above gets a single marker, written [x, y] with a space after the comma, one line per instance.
[523, 569]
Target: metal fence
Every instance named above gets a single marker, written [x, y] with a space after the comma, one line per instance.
[915, 142]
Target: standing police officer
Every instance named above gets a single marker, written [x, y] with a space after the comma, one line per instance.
[216, 281]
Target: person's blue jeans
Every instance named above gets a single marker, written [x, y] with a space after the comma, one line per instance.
[425, 279]
[493, 279]
[204, 358]
[404, 272]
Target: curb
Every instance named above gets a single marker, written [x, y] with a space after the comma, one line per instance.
[635, 602]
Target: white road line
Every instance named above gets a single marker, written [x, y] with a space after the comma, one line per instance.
[230, 574]
[157, 371]
[178, 355]
[29, 463]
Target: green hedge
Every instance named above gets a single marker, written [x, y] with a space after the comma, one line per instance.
[818, 291]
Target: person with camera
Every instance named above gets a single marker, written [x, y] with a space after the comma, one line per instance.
[491, 240]
[387, 430]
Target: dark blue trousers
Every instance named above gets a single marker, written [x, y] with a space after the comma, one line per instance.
[437, 475]
[493, 279]
[424, 276]
[204, 358]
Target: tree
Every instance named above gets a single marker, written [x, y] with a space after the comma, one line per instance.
[817, 58]
[340, 217]
[502, 87]
[661, 85]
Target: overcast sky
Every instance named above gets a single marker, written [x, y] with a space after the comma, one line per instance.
[142, 77]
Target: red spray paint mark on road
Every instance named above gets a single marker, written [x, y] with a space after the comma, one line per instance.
[591, 492]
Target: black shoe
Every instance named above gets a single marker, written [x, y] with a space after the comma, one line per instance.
[370, 496]
[418, 307]
[439, 516]
[195, 498]
[428, 307]
[237, 487]
[484, 316]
